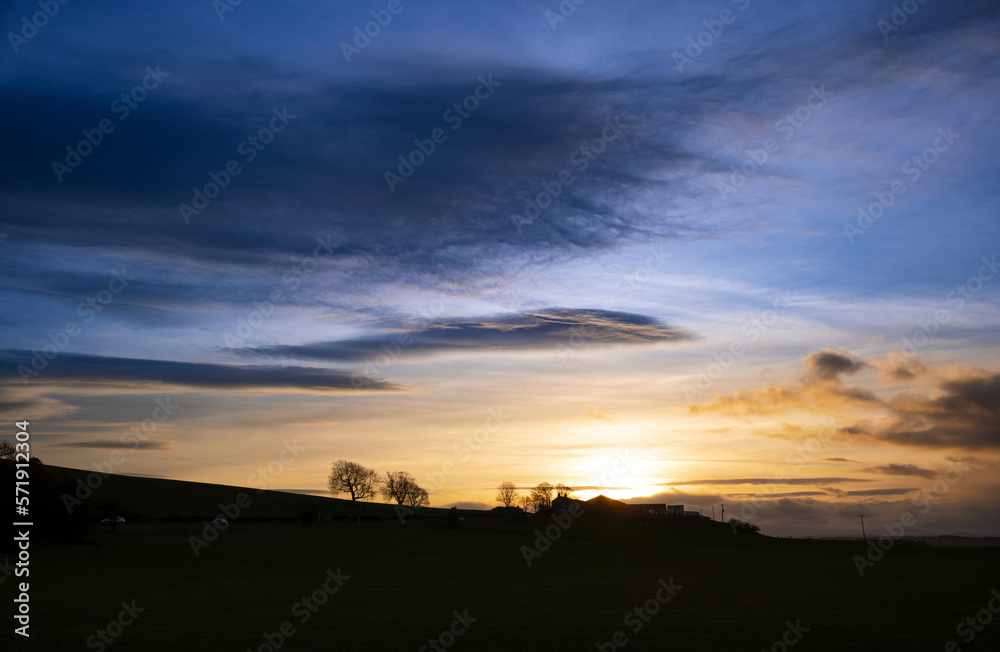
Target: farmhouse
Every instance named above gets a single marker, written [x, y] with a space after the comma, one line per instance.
[604, 506]
[646, 509]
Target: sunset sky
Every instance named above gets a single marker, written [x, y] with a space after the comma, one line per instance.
[738, 253]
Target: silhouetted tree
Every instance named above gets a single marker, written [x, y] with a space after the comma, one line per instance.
[7, 450]
[398, 485]
[507, 493]
[743, 527]
[453, 517]
[541, 496]
[418, 497]
[526, 503]
[353, 478]
[562, 491]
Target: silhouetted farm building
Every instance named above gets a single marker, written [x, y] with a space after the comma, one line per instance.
[604, 506]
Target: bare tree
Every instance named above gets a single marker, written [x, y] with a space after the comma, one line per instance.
[526, 503]
[7, 450]
[541, 496]
[418, 497]
[398, 485]
[507, 493]
[353, 478]
[562, 491]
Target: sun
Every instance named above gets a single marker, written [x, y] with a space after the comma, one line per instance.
[618, 474]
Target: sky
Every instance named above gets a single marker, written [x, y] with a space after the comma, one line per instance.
[731, 253]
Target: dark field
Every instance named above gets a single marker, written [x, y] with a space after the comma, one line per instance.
[738, 591]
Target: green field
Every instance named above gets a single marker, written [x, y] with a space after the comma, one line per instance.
[737, 591]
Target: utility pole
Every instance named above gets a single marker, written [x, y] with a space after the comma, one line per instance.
[723, 513]
[863, 537]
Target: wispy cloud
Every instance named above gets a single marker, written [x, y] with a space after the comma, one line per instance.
[76, 368]
[142, 445]
[765, 481]
[526, 331]
[901, 469]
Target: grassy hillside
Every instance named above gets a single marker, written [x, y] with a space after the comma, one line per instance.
[405, 583]
[158, 498]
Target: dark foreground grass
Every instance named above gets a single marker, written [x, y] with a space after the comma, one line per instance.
[406, 582]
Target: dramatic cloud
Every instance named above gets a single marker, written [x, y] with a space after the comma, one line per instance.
[578, 191]
[544, 329]
[449, 225]
[821, 390]
[84, 369]
[830, 364]
[965, 413]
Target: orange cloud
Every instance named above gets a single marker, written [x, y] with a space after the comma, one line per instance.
[960, 407]
[820, 390]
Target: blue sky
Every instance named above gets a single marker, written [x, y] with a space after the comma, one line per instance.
[264, 314]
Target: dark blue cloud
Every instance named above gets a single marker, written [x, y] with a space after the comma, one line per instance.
[80, 368]
[524, 331]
